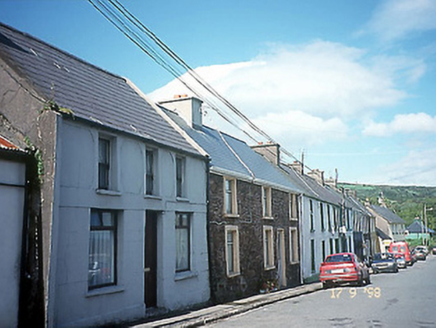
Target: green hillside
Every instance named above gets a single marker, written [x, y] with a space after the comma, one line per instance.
[406, 201]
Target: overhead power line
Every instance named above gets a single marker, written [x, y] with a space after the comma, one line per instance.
[163, 55]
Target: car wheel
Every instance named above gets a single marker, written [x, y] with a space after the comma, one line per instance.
[326, 284]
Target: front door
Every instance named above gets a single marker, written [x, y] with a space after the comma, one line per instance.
[281, 257]
[150, 252]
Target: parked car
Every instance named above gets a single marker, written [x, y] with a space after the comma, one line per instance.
[401, 261]
[419, 254]
[384, 262]
[423, 249]
[342, 268]
[402, 247]
[434, 250]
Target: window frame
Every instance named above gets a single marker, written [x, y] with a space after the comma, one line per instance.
[293, 207]
[150, 175]
[267, 202]
[321, 214]
[105, 166]
[312, 256]
[234, 230]
[268, 248]
[232, 191]
[311, 214]
[180, 165]
[186, 227]
[294, 255]
[112, 228]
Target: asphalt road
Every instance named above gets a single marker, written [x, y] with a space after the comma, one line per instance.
[404, 299]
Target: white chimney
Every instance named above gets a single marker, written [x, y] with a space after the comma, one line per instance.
[189, 108]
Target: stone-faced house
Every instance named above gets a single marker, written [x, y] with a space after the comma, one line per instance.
[253, 216]
[122, 211]
[326, 215]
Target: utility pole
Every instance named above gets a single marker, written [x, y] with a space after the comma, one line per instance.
[425, 219]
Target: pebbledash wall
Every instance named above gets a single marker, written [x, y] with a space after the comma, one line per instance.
[250, 225]
[72, 303]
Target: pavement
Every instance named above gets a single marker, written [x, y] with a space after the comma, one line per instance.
[211, 314]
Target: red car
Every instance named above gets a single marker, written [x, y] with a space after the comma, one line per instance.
[402, 247]
[343, 268]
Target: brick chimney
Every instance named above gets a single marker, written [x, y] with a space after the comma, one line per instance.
[296, 166]
[317, 175]
[270, 151]
[189, 108]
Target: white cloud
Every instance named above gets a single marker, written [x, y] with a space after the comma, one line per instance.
[417, 168]
[402, 123]
[395, 19]
[323, 79]
[301, 129]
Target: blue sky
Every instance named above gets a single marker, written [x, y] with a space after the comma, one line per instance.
[350, 83]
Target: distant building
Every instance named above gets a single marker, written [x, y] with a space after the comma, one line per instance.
[391, 226]
[417, 230]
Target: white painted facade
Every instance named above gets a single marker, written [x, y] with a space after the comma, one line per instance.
[321, 239]
[12, 195]
[72, 303]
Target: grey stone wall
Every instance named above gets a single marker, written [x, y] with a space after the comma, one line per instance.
[250, 224]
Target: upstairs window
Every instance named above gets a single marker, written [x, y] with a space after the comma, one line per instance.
[180, 172]
[293, 207]
[312, 226]
[321, 214]
[266, 202]
[230, 200]
[104, 163]
[149, 172]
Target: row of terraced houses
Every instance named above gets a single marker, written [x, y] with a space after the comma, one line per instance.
[115, 207]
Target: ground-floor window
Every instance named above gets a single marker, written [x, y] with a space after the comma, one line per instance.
[268, 247]
[232, 250]
[183, 242]
[293, 244]
[312, 256]
[102, 249]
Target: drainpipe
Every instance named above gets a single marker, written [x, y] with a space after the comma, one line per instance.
[208, 234]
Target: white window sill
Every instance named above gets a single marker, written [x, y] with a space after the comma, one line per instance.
[185, 275]
[294, 219]
[105, 291]
[108, 192]
[153, 197]
[182, 199]
[268, 218]
[230, 215]
[269, 268]
[233, 274]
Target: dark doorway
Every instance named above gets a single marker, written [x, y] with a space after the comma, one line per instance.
[150, 251]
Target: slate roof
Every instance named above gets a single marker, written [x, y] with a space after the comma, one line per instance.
[228, 154]
[92, 93]
[418, 227]
[387, 214]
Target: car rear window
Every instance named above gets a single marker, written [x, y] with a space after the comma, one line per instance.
[339, 258]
